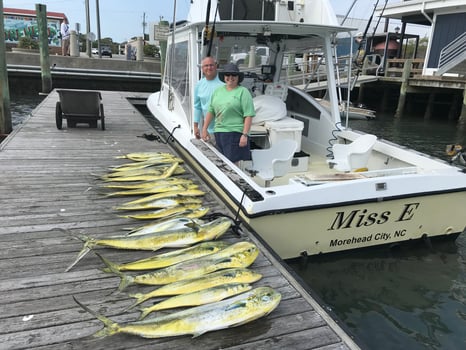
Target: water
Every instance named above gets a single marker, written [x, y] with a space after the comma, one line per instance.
[413, 297]
[21, 107]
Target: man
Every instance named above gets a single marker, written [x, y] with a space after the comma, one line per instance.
[65, 37]
[203, 92]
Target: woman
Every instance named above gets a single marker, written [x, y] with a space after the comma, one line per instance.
[232, 107]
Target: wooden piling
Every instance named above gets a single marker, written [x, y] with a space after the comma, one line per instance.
[41, 13]
[5, 114]
[404, 87]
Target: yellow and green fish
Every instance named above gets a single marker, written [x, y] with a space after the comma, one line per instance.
[197, 320]
[167, 239]
[192, 211]
[201, 297]
[173, 257]
[241, 254]
[233, 275]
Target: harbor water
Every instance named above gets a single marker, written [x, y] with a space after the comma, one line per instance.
[412, 296]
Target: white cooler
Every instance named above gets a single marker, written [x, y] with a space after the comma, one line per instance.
[286, 128]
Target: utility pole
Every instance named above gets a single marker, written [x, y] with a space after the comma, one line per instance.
[88, 30]
[97, 11]
[144, 24]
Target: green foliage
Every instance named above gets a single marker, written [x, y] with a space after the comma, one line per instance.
[151, 50]
[28, 43]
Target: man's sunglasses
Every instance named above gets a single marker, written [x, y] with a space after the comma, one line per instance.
[231, 74]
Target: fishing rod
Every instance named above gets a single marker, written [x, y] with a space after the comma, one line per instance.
[363, 41]
[212, 33]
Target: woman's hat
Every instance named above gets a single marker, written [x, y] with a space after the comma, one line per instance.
[231, 68]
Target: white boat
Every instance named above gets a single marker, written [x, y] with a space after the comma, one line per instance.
[352, 112]
[336, 188]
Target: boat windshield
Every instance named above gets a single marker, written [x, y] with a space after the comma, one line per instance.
[179, 74]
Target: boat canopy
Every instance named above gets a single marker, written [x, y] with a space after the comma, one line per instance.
[318, 12]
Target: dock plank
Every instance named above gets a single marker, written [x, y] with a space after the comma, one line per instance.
[49, 195]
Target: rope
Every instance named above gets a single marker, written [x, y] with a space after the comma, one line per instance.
[152, 137]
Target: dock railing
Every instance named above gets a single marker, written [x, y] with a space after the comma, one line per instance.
[401, 67]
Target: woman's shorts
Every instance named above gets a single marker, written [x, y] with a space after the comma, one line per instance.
[228, 144]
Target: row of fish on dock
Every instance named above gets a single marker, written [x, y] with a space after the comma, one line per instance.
[207, 277]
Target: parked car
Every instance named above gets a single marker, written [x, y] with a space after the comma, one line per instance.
[105, 50]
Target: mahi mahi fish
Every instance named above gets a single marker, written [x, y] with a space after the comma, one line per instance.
[167, 239]
[188, 210]
[143, 156]
[162, 225]
[173, 169]
[154, 170]
[173, 257]
[147, 184]
[201, 297]
[151, 190]
[234, 275]
[150, 162]
[160, 203]
[197, 320]
[241, 254]
[193, 192]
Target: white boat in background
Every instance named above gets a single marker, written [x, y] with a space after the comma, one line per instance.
[313, 186]
[352, 112]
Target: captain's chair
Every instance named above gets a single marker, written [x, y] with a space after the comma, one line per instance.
[352, 156]
[274, 161]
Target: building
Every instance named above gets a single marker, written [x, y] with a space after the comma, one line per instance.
[23, 23]
[447, 20]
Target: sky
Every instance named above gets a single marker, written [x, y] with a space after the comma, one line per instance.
[122, 19]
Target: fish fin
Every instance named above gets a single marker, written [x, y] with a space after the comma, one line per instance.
[193, 225]
[140, 298]
[236, 305]
[86, 248]
[144, 312]
[110, 327]
[125, 280]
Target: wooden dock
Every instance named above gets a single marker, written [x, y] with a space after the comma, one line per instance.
[47, 185]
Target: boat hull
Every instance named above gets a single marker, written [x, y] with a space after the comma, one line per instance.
[318, 230]
[339, 228]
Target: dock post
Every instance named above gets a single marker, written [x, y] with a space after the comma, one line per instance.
[74, 51]
[403, 88]
[5, 114]
[41, 13]
[140, 49]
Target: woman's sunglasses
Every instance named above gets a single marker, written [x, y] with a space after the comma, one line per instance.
[231, 74]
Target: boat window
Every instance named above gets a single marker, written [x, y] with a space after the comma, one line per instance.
[180, 73]
[299, 105]
[247, 10]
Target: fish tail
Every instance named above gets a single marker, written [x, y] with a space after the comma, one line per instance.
[145, 311]
[110, 327]
[113, 268]
[140, 298]
[88, 244]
